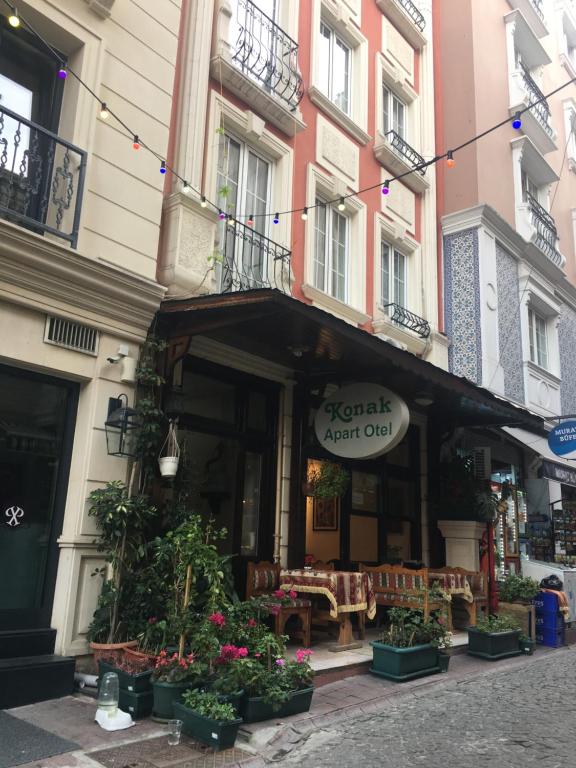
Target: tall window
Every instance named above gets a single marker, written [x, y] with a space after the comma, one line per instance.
[393, 113]
[242, 187]
[529, 188]
[538, 339]
[334, 68]
[331, 251]
[393, 274]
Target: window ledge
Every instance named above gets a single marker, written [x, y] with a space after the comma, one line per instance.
[408, 339]
[323, 102]
[403, 22]
[568, 64]
[543, 373]
[393, 161]
[334, 306]
[102, 8]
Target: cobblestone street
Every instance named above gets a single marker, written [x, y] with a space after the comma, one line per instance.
[511, 719]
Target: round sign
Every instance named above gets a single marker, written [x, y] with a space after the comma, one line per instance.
[361, 421]
[562, 439]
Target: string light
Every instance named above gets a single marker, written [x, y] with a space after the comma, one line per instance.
[203, 202]
[450, 162]
[62, 74]
[163, 166]
[14, 19]
[304, 216]
[517, 122]
[385, 188]
[221, 215]
[250, 221]
[231, 220]
[136, 142]
[104, 114]
[341, 204]
[276, 218]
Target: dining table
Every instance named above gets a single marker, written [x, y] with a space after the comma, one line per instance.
[346, 591]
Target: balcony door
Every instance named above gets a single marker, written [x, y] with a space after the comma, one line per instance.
[36, 428]
[255, 40]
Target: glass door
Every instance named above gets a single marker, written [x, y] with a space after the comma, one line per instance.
[364, 519]
[36, 427]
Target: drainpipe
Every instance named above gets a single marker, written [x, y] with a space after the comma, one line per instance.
[279, 465]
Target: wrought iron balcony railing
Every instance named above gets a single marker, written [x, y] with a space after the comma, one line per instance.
[414, 13]
[546, 232]
[402, 316]
[405, 150]
[537, 5]
[251, 260]
[266, 53]
[41, 178]
[540, 110]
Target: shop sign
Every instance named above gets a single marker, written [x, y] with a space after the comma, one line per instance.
[556, 472]
[562, 439]
[361, 421]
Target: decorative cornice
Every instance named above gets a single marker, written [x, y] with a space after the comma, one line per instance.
[41, 274]
[102, 8]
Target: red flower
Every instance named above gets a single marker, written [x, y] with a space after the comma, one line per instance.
[274, 610]
[242, 653]
[279, 593]
[309, 559]
[218, 619]
[293, 594]
[251, 623]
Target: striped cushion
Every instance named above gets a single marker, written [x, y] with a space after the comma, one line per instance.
[264, 580]
[398, 597]
[404, 581]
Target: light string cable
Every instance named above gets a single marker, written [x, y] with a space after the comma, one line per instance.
[165, 167]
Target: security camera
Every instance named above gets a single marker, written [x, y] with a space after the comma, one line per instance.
[122, 352]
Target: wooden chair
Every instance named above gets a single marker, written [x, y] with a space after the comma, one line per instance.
[262, 579]
[478, 581]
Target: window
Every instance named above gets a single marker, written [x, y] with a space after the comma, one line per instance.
[529, 188]
[538, 339]
[334, 68]
[331, 251]
[393, 113]
[393, 275]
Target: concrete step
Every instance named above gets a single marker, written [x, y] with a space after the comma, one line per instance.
[28, 679]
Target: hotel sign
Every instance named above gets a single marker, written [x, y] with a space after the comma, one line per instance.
[361, 421]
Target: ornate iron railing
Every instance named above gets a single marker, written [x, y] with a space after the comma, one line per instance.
[403, 148]
[414, 13]
[540, 110]
[546, 232]
[537, 5]
[402, 316]
[41, 178]
[265, 52]
[250, 260]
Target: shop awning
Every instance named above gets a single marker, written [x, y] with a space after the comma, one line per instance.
[553, 467]
[318, 346]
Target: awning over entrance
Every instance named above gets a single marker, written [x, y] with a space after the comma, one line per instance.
[318, 346]
[553, 467]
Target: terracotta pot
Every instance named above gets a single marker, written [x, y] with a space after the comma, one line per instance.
[134, 653]
[111, 651]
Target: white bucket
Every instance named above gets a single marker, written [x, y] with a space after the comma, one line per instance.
[168, 465]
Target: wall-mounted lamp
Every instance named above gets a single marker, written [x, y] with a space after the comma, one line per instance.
[123, 427]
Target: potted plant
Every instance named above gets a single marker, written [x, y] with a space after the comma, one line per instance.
[134, 679]
[207, 719]
[172, 676]
[409, 647]
[494, 637]
[327, 481]
[169, 453]
[515, 595]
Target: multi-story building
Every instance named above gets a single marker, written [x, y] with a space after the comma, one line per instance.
[293, 268]
[79, 227]
[508, 234]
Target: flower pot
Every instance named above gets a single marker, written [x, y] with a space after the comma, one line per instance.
[138, 683]
[401, 664]
[443, 661]
[168, 465]
[218, 734]
[134, 653]
[165, 696]
[493, 645]
[255, 709]
[111, 651]
[232, 698]
[527, 646]
[137, 704]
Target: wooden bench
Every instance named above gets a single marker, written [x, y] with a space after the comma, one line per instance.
[478, 582]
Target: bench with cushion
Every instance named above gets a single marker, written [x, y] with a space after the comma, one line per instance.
[478, 582]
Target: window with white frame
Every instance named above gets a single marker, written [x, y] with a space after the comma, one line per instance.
[538, 338]
[393, 112]
[331, 251]
[334, 68]
[392, 275]
[529, 188]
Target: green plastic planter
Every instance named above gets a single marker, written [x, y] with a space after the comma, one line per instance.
[217, 734]
[232, 698]
[527, 646]
[401, 664]
[165, 696]
[443, 661]
[255, 709]
[137, 704]
[139, 683]
[494, 645]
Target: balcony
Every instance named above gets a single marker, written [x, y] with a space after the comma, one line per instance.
[533, 13]
[41, 178]
[402, 316]
[536, 122]
[407, 18]
[395, 154]
[250, 260]
[258, 62]
[545, 235]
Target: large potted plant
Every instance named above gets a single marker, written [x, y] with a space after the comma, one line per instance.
[172, 675]
[207, 719]
[515, 595]
[494, 637]
[409, 647]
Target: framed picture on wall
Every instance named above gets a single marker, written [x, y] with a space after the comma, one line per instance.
[325, 514]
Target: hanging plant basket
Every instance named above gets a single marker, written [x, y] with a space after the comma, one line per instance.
[328, 481]
[169, 453]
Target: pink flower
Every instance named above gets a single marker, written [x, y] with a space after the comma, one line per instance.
[293, 594]
[302, 654]
[251, 623]
[242, 653]
[440, 620]
[218, 619]
[152, 620]
[279, 593]
[274, 610]
[257, 655]
[280, 662]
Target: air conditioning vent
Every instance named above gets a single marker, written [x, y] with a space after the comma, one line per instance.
[65, 333]
[482, 463]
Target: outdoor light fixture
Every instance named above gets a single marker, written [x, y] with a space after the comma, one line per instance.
[14, 19]
[517, 122]
[104, 113]
[450, 162]
[424, 398]
[341, 205]
[304, 215]
[122, 426]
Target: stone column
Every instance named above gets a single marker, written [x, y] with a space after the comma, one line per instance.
[462, 542]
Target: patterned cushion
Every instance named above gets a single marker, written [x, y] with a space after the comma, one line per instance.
[264, 580]
[404, 581]
[398, 597]
[298, 602]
